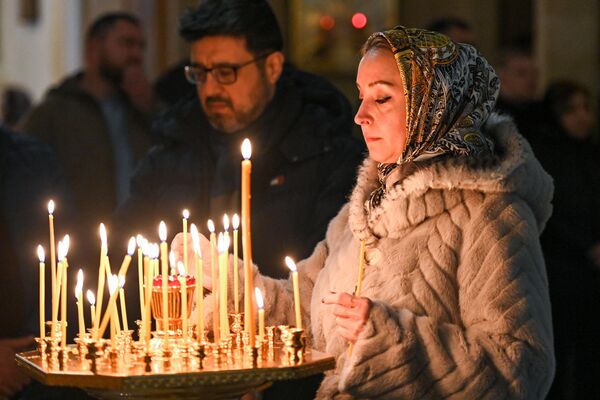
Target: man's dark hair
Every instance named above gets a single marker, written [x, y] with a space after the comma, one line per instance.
[104, 23]
[252, 20]
[444, 25]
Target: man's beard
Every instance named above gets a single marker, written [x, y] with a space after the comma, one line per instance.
[238, 119]
[110, 72]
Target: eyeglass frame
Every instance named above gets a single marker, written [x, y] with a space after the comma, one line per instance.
[188, 70]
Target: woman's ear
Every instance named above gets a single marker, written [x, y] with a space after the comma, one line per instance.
[274, 66]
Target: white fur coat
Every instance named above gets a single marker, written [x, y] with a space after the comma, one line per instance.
[456, 276]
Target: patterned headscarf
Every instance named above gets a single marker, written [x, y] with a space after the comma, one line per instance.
[450, 91]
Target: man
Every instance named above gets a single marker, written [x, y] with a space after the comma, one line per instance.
[519, 76]
[303, 153]
[456, 29]
[96, 122]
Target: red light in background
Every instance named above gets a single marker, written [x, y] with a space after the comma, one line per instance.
[359, 20]
[327, 22]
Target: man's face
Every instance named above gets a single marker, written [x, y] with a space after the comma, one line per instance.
[231, 107]
[518, 79]
[121, 47]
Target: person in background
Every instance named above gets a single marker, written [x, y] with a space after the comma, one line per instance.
[14, 104]
[98, 123]
[455, 28]
[568, 148]
[519, 98]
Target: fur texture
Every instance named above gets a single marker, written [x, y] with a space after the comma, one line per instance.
[456, 276]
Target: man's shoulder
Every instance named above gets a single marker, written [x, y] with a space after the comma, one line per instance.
[24, 150]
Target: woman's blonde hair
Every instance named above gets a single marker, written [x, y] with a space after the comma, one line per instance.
[375, 41]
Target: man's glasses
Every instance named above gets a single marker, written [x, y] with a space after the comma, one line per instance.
[224, 74]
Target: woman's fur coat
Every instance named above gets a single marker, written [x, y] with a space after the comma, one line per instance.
[456, 276]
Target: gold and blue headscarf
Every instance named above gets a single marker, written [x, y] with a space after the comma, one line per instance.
[450, 91]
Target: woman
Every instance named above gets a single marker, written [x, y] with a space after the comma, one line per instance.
[571, 242]
[454, 298]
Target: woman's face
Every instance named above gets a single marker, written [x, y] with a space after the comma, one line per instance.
[577, 120]
[382, 111]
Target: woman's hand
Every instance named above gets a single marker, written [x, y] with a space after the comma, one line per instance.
[177, 249]
[351, 313]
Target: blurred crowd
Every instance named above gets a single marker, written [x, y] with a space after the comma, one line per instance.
[109, 145]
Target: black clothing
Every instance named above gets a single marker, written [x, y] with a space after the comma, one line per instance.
[304, 165]
[528, 116]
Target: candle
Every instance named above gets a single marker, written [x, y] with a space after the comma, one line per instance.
[247, 242]
[261, 314]
[162, 233]
[186, 216]
[122, 301]
[140, 246]
[235, 221]
[111, 307]
[63, 295]
[292, 266]
[361, 268]
[111, 310]
[79, 297]
[52, 253]
[183, 288]
[153, 253]
[41, 257]
[199, 284]
[59, 272]
[213, 273]
[223, 247]
[101, 271]
[92, 300]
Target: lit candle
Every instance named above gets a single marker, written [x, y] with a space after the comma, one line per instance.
[41, 257]
[247, 243]
[223, 247]
[235, 221]
[199, 284]
[261, 314]
[164, 251]
[292, 266]
[92, 300]
[111, 306]
[111, 310]
[186, 216]
[59, 272]
[122, 301]
[53, 271]
[63, 295]
[213, 272]
[183, 289]
[101, 272]
[153, 253]
[140, 245]
[79, 297]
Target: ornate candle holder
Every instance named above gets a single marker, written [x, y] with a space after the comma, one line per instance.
[294, 344]
[237, 325]
[173, 301]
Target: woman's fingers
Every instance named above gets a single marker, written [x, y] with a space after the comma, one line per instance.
[351, 313]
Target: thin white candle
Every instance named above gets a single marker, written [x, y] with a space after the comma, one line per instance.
[122, 301]
[235, 222]
[41, 257]
[199, 284]
[92, 300]
[186, 216]
[183, 291]
[101, 272]
[261, 314]
[215, 286]
[162, 232]
[140, 241]
[79, 297]
[292, 266]
[53, 271]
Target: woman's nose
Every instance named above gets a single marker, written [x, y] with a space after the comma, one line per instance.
[362, 116]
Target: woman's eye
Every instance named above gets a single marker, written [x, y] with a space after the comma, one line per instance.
[383, 100]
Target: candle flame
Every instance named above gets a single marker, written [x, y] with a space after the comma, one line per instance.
[246, 149]
[60, 251]
[196, 239]
[181, 268]
[51, 207]
[186, 214]
[41, 254]
[131, 246]
[259, 299]
[113, 282]
[155, 251]
[172, 259]
[90, 297]
[291, 264]
[235, 221]
[146, 249]
[103, 235]
[162, 231]
[66, 244]
[121, 281]
[139, 240]
[226, 222]
[211, 226]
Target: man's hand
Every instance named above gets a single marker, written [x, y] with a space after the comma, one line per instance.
[177, 248]
[351, 313]
[138, 88]
[12, 379]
